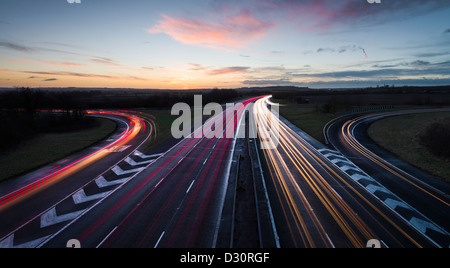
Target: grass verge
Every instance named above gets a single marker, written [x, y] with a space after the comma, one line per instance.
[306, 117]
[51, 147]
[163, 121]
[396, 135]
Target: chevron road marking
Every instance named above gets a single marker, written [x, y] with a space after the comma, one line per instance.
[81, 197]
[420, 224]
[32, 244]
[143, 156]
[359, 177]
[102, 182]
[134, 163]
[50, 218]
[373, 188]
[424, 225]
[337, 160]
[120, 171]
[394, 203]
[8, 242]
[348, 167]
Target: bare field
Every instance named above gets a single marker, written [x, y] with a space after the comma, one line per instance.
[397, 135]
[50, 147]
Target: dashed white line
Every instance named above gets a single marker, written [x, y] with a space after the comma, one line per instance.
[190, 186]
[159, 240]
[110, 233]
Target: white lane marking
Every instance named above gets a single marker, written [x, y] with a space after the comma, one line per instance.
[331, 242]
[110, 233]
[190, 186]
[156, 245]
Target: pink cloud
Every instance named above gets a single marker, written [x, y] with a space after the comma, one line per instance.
[324, 14]
[229, 32]
[209, 70]
[31, 60]
[84, 75]
[234, 24]
[57, 63]
[228, 70]
[197, 67]
[19, 61]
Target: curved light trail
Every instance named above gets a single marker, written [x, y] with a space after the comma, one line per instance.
[178, 201]
[348, 134]
[288, 164]
[41, 181]
[306, 185]
[428, 205]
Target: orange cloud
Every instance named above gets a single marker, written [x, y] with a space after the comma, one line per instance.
[31, 60]
[84, 75]
[231, 32]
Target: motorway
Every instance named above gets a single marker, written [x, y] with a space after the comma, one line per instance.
[38, 204]
[317, 204]
[114, 196]
[425, 200]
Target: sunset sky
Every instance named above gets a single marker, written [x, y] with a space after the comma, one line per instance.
[226, 44]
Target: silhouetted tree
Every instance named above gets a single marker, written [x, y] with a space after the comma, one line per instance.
[31, 99]
[436, 138]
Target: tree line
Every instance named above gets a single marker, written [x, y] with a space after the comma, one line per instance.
[24, 112]
[31, 100]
